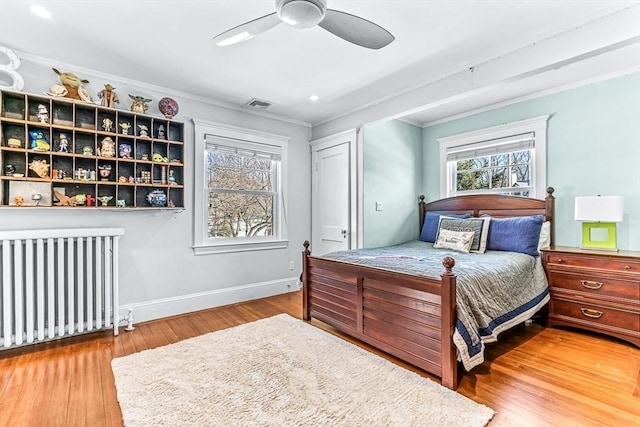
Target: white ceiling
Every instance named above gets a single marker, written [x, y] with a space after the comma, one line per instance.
[168, 44]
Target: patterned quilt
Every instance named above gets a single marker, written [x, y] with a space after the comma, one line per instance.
[495, 290]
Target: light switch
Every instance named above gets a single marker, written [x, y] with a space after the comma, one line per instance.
[379, 206]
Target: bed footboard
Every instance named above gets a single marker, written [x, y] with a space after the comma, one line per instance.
[410, 317]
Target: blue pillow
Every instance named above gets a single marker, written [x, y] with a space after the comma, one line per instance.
[430, 228]
[517, 234]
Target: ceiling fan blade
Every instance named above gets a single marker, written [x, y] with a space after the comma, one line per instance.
[247, 30]
[356, 30]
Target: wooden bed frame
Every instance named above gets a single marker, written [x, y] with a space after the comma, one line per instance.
[410, 317]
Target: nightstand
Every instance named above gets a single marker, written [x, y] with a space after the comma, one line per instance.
[595, 290]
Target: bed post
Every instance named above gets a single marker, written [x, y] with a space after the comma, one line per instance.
[448, 315]
[421, 211]
[305, 281]
[549, 202]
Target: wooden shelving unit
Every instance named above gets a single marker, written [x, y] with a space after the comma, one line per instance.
[144, 154]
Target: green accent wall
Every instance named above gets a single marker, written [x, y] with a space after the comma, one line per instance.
[593, 148]
[392, 175]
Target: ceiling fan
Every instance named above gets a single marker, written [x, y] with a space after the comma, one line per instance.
[307, 14]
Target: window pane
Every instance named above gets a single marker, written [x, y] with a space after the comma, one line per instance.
[500, 160]
[467, 180]
[257, 175]
[237, 172]
[499, 178]
[240, 214]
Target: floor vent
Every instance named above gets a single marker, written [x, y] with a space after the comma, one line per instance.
[259, 104]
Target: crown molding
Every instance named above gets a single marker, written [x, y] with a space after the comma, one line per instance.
[169, 91]
[534, 95]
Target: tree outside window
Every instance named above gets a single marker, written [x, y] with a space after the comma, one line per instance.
[504, 172]
[242, 187]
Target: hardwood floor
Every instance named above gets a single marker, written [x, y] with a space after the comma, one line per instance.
[533, 377]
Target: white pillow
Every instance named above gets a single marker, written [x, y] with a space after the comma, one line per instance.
[480, 226]
[456, 240]
[545, 236]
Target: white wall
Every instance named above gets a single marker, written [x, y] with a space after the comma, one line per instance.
[159, 274]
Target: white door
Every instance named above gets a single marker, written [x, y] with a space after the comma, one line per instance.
[331, 198]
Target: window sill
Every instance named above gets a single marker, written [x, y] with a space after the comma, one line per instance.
[223, 248]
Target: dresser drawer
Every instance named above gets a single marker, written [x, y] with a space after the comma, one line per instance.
[594, 262]
[596, 314]
[595, 285]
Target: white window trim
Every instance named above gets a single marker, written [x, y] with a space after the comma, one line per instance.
[202, 244]
[537, 125]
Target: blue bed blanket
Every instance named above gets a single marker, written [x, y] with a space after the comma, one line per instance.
[495, 290]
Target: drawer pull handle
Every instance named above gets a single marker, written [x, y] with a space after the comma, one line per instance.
[627, 267]
[560, 260]
[591, 284]
[591, 313]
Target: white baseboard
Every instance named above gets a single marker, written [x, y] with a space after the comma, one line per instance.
[165, 307]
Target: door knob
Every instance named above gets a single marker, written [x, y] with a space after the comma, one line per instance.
[344, 233]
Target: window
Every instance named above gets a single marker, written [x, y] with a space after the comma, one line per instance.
[240, 175]
[507, 159]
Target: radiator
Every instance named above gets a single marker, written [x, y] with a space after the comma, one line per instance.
[57, 283]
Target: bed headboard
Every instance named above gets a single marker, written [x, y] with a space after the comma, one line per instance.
[496, 205]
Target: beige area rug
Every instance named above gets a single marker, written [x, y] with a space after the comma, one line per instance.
[280, 371]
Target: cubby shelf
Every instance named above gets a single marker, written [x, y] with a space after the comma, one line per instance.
[76, 143]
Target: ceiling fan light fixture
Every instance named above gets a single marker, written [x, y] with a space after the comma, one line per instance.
[301, 13]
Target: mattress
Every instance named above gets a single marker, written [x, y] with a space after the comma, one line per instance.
[495, 290]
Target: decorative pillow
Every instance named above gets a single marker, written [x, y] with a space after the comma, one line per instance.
[517, 234]
[545, 236]
[479, 227]
[456, 240]
[431, 221]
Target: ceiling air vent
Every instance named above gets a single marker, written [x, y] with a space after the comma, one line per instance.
[259, 104]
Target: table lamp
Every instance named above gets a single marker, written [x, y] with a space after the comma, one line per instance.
[599, 215]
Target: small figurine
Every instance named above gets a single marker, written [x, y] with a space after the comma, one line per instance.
[107, 124]
[125, 128]
[132, 180]
[43, 114]
[40, 167]
[144, 131]
[81, 199]
[122, 179]
[64, 200]
[14, 143]
[57, 91]
[171, 179]
[108, 96]
[39, 141]
[105, 171]
[9, 170]
[157, 157]
[73, 85]
[160, 134]
[18, 200]
[144, 157]
[125, 151]
[90, 200]
[36, 197]
[108, 147]
[121, 203]
[63, 146]
[139, 104]
[104, 200]
[87, 150]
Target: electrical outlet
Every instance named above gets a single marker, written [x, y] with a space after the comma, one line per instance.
[379, 206]
[291, 265]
